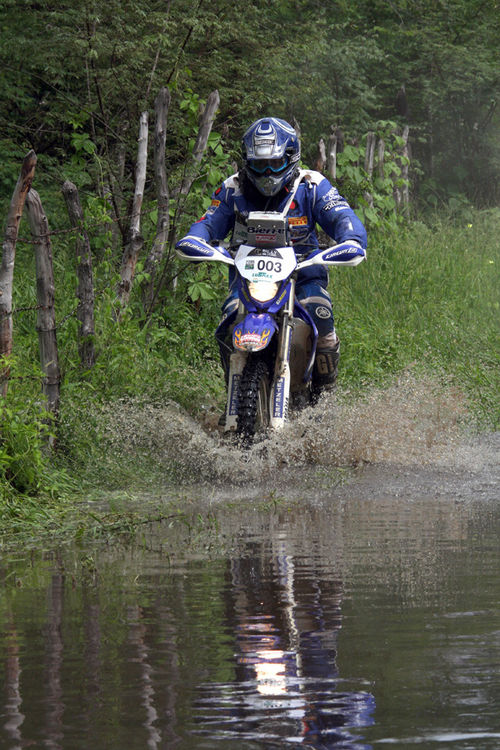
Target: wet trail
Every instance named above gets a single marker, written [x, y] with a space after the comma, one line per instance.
[338, 590]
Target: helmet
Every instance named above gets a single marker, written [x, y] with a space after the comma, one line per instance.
[271, 150]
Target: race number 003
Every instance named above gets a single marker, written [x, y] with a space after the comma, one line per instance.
[269, 265]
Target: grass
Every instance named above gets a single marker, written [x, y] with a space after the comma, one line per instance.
[427, 298]
[426, 301]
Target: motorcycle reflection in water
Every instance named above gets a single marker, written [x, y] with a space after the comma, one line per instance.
[286, 689]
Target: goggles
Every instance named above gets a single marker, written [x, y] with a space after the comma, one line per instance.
[262, 165]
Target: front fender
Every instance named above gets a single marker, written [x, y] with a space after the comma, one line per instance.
[254, 332]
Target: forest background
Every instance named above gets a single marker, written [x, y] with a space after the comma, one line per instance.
[76, 78]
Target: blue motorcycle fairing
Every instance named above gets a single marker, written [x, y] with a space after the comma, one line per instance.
[254, 332]
[299, 312]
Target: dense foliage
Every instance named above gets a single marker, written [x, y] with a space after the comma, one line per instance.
[77, 75]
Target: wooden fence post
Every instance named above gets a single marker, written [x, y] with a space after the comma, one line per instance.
[46, 318]
[331, 156]
[8, 259]
[370, 153]
[380, 158]
[401, 192]
[155, 256]
[405, 191]
[335, 146]
[371, 139]
[85, 289]
[135, 240]
[321, 158]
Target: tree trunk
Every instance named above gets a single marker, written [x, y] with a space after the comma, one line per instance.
[8, 259]
[154, 258]
[85, 289]
[135, 240]
[200, 145]
[46, 318]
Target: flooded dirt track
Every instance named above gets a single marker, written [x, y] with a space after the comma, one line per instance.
[336, 589]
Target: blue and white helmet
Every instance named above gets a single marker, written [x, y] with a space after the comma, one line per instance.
[271, 150]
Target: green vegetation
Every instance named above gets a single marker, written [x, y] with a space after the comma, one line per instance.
[76, 76]
[427, 299]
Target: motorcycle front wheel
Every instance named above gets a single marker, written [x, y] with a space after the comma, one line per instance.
[253, 399]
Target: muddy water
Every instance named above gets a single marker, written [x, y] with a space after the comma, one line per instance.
[301, 601]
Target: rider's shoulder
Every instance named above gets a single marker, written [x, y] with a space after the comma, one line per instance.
[227, 190]
[232, 184]
[311, 177]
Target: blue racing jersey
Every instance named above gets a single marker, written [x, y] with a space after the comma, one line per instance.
[315, 201]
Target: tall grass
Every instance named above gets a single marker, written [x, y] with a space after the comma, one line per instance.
[428, 298]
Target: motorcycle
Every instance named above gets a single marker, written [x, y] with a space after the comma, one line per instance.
[271, 338]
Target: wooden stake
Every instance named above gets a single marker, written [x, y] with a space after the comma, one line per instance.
[331, 156]
[135, 240]
[85, 289]
[369, 161]
[380, 158]
[157, 252]
[8, 260]
[321, 159]
[46, 318]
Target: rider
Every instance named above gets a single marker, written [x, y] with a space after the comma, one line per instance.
[270, 173]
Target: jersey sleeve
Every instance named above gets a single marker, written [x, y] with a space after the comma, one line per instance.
[335, 216]
[218, 219]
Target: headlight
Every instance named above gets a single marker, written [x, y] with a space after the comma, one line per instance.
[263, 291]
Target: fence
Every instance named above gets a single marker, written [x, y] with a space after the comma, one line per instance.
[25, 196]
[374, 158]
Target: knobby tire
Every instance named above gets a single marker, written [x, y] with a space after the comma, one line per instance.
[254, 381]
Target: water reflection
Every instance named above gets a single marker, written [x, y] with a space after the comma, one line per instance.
[350, 626]
[285, 615]
[12, 714]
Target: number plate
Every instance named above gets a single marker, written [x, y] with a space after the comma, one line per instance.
[270, 264]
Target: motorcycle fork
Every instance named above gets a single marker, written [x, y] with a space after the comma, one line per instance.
[280, 391]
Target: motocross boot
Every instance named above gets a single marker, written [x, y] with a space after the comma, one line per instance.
[325, 371]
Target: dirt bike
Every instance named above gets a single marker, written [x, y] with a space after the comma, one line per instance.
[270, 336]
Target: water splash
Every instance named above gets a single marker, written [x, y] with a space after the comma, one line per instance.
[413, 423]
